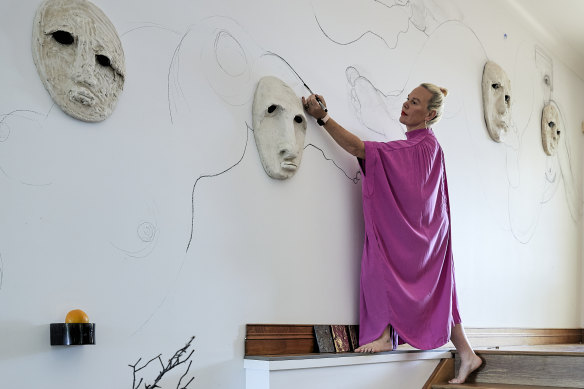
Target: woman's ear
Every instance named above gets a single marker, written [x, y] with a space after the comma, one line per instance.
[431, 115]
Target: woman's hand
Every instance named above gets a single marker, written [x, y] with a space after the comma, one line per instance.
[312, 106]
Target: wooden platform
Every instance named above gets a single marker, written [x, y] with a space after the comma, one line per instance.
[548, 349]
[493, 386]
[293, 339]
[544, 366]
[560, 366]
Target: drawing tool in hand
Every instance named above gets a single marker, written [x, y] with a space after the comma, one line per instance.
[298, 75]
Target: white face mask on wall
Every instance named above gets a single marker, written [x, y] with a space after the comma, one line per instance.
[79, 58]
[496, 101]
[279, 127]
[550, 128]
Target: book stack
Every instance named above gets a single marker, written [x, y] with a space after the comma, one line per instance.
[336, 338]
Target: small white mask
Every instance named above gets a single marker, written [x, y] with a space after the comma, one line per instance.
[550, 128]
[496, 101]
[279, 127]
[79, 58]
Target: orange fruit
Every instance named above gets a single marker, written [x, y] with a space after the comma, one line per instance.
[77, 316]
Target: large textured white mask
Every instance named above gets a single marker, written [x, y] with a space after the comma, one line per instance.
[496, 101]
[79, 58]
[550, 128]
[279, 127]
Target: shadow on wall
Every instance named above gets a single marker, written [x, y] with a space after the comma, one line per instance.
[22, 339]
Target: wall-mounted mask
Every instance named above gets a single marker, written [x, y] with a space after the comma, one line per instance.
[496, 100]
[279, 127]
[550, 128]
[79, 58]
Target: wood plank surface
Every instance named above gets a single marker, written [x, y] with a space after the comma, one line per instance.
[279, 339]
[442, 373]
[492, 386]
[286, 339]
[529, 369]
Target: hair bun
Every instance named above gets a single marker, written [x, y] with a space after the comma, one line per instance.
[444, 91]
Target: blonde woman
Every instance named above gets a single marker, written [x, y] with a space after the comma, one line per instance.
[407, 292]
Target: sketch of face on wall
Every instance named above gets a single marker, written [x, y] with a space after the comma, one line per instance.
[79, 58]
[496, 101]
[545, 71]
[550, 128]
[279, 127]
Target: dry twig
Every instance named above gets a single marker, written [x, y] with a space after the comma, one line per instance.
[173, 362]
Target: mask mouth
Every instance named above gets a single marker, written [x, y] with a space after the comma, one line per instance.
[82, 96]
[502, 123]
[287, 165]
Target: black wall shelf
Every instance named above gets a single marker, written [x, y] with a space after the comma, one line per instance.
[71, 334]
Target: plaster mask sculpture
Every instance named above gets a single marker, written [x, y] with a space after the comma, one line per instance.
[550, 128]
[79, 58]
[496, 100]
[279, 127]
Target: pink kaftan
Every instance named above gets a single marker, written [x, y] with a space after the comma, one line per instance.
[407, 272]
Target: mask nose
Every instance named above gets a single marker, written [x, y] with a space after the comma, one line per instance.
[501, 105]
[288, 152]
[84, 66]
[287, 144]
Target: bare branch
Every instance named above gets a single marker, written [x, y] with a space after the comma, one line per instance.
[173, 362]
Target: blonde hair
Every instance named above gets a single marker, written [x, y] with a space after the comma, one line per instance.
[436, 101]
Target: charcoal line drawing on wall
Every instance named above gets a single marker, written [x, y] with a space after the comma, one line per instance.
[231, 64]
[143, 239]
[356, 178]
[557, 168]
[377, 108]
[348, 18]
[565, 160]
[29, 124]
[212, 175]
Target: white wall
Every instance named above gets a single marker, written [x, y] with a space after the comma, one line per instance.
[98, 216]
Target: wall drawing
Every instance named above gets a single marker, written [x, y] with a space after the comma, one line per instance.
[378, 108]
[231, 63]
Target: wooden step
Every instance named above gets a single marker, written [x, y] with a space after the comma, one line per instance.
[528, 367]
[491, 386]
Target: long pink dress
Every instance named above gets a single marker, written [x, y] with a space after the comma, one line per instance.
[407, 272]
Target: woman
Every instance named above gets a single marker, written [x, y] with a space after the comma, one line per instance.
[407, 274]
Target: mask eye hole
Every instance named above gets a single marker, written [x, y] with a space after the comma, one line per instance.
[507, 99]
[552, 124]
[103, 60]
[63, 37]
[496, 85]
[272, 108]
[558, 132]
[298, 119]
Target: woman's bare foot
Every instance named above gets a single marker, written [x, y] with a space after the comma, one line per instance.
[467, 366]
[383, 343]
[469, 361]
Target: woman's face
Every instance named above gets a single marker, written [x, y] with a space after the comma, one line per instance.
[415, 111]
[79, 58]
